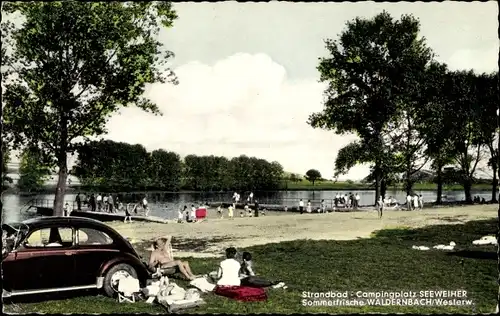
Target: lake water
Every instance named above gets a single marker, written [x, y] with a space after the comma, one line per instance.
[165, 205]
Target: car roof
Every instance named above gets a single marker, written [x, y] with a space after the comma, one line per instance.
[61, 220]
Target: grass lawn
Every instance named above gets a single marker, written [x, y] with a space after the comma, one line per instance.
[330, 185]
[385, 262]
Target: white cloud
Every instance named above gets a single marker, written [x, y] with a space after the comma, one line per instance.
[243, 104]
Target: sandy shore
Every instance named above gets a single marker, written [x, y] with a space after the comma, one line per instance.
[215, 234]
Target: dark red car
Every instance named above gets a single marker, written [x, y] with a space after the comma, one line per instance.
[53, 254]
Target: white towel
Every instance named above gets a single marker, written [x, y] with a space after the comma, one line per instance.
[444, 247]
[420, 247]
[203, 285]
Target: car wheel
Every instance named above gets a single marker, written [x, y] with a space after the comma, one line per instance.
[114, 275]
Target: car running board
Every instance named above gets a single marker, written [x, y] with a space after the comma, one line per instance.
[6, 294]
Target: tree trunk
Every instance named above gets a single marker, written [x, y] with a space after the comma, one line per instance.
[494, 184]
[439, 180]
[467, 190]
[61, 186]
[62, 163]
[383, 188]
[378, 180]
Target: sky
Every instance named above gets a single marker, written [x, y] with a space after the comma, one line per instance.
[248, 79]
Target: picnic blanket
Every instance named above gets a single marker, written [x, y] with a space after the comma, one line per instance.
[242, 293]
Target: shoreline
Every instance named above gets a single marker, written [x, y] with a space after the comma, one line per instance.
[74, 190]
[210, 237]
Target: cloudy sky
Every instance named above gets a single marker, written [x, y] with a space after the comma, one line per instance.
[248, 78]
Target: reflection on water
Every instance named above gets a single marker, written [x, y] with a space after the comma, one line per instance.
[165, 205]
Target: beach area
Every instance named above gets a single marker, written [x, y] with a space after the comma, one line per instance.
[211, 236]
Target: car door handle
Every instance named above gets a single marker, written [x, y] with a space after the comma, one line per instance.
[69, 253]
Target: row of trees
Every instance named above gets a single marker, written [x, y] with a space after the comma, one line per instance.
[408, 109]
[120, 166]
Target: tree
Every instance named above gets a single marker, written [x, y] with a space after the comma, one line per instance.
[488, 128]
[110, 165]
[465, 120]
[313, 175]
[372, 70]
[433, 124]
[72, 64]
[293, 177]
[165, 170]
[32, 171]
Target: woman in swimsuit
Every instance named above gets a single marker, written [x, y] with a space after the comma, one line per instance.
[162, 257]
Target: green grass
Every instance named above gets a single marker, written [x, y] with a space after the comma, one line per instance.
[385, 262]
[306, 185]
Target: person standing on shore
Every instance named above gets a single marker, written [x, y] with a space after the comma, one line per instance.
[145, 206]
[78, 202]
[309, 206]
[408, 202]
[337, 199]
[323, 206]
[380, 206]
[356, 200]
[92, 203]
[415, 202]
[105, 202]
[99, 202]
[111, 204]
[230, 211]
[256, 205]
[301, 206]
[421, 202]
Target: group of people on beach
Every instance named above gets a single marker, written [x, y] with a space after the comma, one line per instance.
[348, 201]
[189, 215]
[413, 202]
[110, 204]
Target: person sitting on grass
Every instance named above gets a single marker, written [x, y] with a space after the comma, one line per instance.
[228, 272]
[246, 269]
[248, 276]
[162, 258]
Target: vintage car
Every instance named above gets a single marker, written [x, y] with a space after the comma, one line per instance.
[53, 254]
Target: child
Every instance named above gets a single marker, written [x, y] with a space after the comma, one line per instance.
[180, 215]
[127, 215]
[246, 265]
[219, 212]
[228, 273]
[248, 277]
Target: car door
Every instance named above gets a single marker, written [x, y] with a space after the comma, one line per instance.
[93, 249]
[46, 259]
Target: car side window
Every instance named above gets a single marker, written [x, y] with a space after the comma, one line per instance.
[50, 237]
[90, 236]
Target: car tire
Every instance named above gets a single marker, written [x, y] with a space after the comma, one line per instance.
[121, 268]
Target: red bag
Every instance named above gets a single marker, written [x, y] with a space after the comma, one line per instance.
[242, 293]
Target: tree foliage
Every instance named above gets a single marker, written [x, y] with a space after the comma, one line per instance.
[373, 70]
[113, 166]
[32, 171]
[70, 65]
[313, 175]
